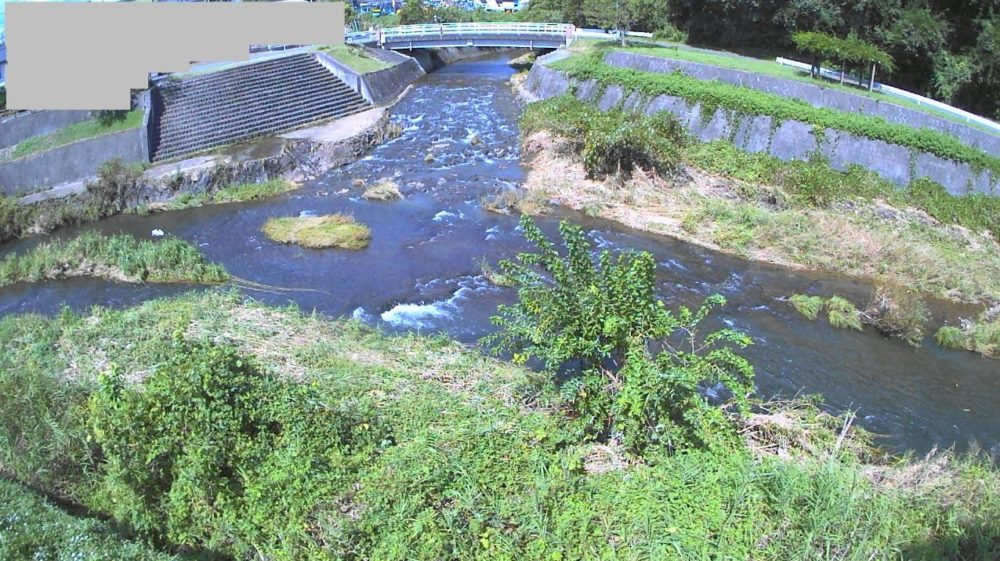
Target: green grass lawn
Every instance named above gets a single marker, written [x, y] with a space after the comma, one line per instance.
[73, 133]
[772, 68]
[354, 58]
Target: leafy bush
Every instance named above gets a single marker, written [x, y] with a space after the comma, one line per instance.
[116, 186]
[612, 142]
[641, 367]
[42, 417]
[808, 306]
[32, 528]
[671, 34]
[110, 117]
[209, 442]
[618, 148]
[15, 219]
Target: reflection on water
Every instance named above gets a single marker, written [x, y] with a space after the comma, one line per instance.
[422, 269]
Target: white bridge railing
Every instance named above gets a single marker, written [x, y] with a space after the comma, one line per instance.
[471, 30]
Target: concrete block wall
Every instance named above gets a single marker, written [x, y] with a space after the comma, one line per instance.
[80, 159]
[20, 126]
[786, 140]
[815, 95]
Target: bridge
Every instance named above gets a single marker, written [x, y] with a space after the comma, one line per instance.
[499, 34]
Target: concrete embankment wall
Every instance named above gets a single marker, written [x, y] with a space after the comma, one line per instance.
[786, 140]
[381, 86]
[433, 59]
[294, 159]
[83, 158]
[813, 94]
[21, 126]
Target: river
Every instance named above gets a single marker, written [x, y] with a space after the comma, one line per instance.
[422, 270]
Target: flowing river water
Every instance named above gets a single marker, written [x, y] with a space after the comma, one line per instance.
[422, 270]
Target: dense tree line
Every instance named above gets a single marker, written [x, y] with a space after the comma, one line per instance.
[948, 49]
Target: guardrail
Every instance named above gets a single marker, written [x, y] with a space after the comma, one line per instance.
[889, 90]
[474, 30]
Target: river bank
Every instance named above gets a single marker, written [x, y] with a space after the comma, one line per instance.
[422, 269]
[802, 215]
[478, 450]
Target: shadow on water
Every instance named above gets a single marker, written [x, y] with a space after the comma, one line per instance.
[422, 271]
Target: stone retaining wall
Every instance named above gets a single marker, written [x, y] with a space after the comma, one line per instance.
[813, 94]
[787, 140]
[83, 158]
[20, 126]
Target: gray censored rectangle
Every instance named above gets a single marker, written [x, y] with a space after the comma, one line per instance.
[90, 55]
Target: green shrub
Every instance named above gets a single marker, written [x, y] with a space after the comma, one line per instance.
[42, 416]
[670, 34]
[621, 147]
[33, 528]
[975, 211]
[15, 219]
[209, 442]
[950, 337]
[115, 188]
[612, 142]
[602, 317]
[564, 116]
[808, 306]
[842, 314]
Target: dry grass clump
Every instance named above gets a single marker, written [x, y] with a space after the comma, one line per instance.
[495, 276]
[384, 190]
[334, 230]
[507, 201]
[393, 130]
[796, 428]
[898, 312]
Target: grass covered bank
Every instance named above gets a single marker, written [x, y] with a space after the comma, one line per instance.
[590, 65]
[118, 189]
[105, 124]
[119, 258]
[238, 193]
[800, 214]
[330, 440]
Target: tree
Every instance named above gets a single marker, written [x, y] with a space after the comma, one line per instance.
[414, 11]
[823, 15]
[640, 367]
[849, 51]
[621, 15]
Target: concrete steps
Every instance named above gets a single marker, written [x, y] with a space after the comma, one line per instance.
[246, 102]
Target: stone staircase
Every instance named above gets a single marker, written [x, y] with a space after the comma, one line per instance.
[246, 102]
